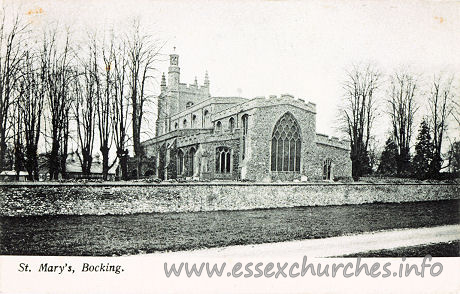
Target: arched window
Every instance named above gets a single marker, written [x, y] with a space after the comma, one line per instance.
[191, 162]
[245, 123]
[223, 160]
[176, 125]
[184, 123]
[218, 126]
[286, 144]
[231, 124]
[327, 169]
[193, 121]
[205, 118]
[189, 104]
[180, 162]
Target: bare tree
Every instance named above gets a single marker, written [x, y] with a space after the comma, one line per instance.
[16, 123]
[357, 114]
[64, 144]
[456, 112]
[58, 76]
[120, 106]
[143, 52]
[84, 111]
[402, 108]
[30, 101]
[11, 54]
[441, 104]
[104, 109]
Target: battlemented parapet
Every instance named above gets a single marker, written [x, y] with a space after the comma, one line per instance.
[262, 101]
[194, 88]
[332, 141]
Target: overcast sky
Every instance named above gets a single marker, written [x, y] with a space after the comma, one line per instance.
[259, 48]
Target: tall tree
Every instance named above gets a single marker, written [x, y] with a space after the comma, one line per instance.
[441, 105]
[31, 99]
[64, 144]
[120, 106]
[402, 93]
[104, 103]
[424, 152]
[58, 76]
[12, 41]
[16, 123]
[143, 52]
[389, 158]
[358, 112]
[84, 111]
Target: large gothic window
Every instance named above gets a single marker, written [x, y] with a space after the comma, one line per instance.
[286, 145]
[223, 160]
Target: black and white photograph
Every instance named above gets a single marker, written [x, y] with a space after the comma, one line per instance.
[155, 146]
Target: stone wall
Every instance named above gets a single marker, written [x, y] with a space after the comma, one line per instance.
[98, 199]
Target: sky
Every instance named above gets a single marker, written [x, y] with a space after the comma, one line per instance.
[261, 48]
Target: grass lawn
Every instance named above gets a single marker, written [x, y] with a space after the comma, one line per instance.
[144, 233]
[447, 249]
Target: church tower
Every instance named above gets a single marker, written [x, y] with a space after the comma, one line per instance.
[168, 100]
[176, 97]
[173, 84]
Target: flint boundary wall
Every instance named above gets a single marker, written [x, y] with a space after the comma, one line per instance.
[27, 199]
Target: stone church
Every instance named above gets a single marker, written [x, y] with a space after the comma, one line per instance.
[200, 137]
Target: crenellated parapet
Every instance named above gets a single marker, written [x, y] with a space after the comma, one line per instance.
[332, 141]
[262, 101]
[194, 89]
